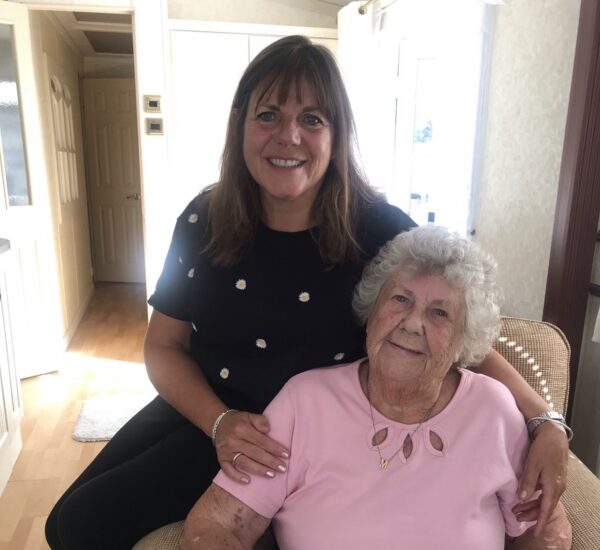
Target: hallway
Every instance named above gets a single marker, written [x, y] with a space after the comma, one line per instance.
[105, 356]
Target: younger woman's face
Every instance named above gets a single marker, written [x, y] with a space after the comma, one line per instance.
[287, 147]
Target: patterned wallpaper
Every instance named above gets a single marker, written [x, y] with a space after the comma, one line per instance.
[530, 77]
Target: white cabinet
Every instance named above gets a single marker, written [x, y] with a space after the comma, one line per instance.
[205, 69]
[205, 65]
[11, 408]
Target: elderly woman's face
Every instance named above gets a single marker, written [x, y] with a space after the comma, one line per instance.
[415, 330]
[287, 147]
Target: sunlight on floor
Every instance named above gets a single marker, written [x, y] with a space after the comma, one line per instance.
[104, 358]
[91, 376]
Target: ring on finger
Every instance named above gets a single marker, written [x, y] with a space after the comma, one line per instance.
[235, 457]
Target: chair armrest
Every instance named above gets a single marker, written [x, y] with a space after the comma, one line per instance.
[164, 538]
[582, 502]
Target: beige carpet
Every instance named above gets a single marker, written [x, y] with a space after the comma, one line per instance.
[102, 416]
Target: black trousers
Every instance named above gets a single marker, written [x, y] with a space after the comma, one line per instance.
[151, 473]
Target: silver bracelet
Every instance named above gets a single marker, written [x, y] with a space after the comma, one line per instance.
[213, 434]
[551, 416]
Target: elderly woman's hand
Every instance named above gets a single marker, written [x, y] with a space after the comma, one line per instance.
[244, 448]
[557, 534]
[546, 469]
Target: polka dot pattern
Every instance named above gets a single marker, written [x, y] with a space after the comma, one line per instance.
[261, 344]
[241, 284]
[304, 297]
[245, 313]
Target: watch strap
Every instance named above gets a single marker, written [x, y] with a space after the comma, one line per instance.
[548, 416]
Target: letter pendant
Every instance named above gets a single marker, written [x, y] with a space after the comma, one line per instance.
[383, 463]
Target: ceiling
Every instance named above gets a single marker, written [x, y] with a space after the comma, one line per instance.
[98, 33]
[111, 33]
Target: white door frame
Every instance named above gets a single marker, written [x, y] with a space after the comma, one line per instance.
[25, 226]
[150, 35]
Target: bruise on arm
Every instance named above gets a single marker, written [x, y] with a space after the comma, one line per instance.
[218, 520]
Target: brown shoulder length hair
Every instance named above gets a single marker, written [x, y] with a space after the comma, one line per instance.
[234, 206]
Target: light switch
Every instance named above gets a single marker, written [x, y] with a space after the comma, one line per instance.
[152, 104]
[154, 126]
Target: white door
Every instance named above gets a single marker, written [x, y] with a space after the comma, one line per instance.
[19, 225]
[114, 179]
[59, 93]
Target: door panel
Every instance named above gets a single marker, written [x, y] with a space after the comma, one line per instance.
[60, 92]
[112, 142]
[10, 390]
[200, 102]
[199, 105]
[18, 226]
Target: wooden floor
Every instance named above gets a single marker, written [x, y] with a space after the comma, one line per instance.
[105, 356]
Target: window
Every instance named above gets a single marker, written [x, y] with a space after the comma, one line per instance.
[414, 76]
[11, 135]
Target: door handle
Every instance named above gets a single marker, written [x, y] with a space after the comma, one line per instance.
[134, 196]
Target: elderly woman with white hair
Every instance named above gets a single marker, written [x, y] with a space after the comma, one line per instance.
[405, 448]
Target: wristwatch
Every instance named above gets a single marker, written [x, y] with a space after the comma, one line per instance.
[546, 416]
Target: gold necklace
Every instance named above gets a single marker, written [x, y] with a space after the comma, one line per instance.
[383, 462]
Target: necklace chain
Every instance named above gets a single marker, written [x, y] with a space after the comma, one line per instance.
[383, 462]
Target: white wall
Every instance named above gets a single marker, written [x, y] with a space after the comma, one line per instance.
[300, 13]
[108, 67]
[530, 78]
[70, 222]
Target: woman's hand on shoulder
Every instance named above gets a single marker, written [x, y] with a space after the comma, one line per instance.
[246, 433]
[545, 469]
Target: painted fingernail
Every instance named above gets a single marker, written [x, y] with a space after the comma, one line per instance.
[285, 455]
[270, 473]
[281, 468]
[246, 480]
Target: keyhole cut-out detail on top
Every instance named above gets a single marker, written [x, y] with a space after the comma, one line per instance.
[379, 437]
[407, 446]
[436, 441]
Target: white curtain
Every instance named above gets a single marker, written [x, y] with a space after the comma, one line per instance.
[406, 64]
[368, 74]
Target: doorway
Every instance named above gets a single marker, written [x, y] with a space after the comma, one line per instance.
[113, 179]
[89, 75]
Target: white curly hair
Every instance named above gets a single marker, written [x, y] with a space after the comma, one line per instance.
[434, 250]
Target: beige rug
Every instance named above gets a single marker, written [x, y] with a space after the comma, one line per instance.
[102, 416]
